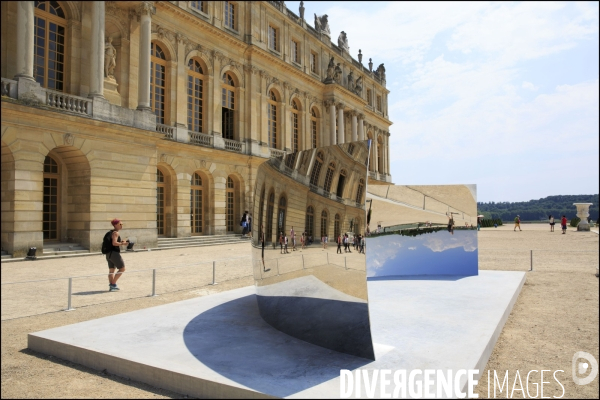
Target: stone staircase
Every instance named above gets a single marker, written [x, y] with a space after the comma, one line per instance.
[198, 241]
[62, 249]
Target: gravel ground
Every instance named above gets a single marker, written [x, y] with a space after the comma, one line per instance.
[555, 315]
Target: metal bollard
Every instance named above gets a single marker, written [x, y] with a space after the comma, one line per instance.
[345, 263]
[277, 266]
[302, 261]
[214, 272]
[69, 308]
[531, 260]
[153, 283]
[327, 258]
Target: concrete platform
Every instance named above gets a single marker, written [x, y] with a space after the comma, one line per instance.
[218, 346]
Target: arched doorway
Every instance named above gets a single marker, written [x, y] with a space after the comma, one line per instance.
[51, 205]
[281, 214]
[324, 216]
[230, 210]
[270, 209]
[197, 194]
[310, 221]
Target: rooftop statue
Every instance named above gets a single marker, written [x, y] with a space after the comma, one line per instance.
[337, 77]
[358, 88]
[322, 24]
[330, 71]
[343, 41]
[351, 81]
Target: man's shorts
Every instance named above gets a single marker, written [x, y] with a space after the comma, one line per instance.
[114, 260]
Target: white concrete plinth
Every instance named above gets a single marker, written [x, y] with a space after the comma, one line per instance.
[583, 212]
[218, 345]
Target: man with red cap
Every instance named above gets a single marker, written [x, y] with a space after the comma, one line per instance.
[113, 257]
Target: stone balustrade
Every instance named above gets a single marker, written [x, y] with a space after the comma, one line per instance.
[9, 88]
[233, 145]
[200, 139]
[68, 102]
[277, 153]
[168, 131]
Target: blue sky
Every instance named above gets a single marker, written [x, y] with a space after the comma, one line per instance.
[503, 95]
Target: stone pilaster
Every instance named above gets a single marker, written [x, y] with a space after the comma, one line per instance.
[340, 136]
[361, 127]
[354, 127]
[25, 34]
[97, 50]
[144, 12]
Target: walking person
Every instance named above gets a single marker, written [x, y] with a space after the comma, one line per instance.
[362, 244]
[244, 224]
[262, 245]
[249, 223]
[111, 243]
[339, 243]
[563, 224]
[326, 241]
[348, 243]
[551, 219]
[281, 243]
[517, 223]
[285, 244]
[293, 238]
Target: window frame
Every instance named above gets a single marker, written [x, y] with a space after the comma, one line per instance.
[272, 120]
[295, 55]
[164, 63]
[228, 97]
[274, 39]
[49, 18]
[233, 15]
[196, 76]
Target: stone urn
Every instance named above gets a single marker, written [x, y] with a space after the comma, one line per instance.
[583, 212]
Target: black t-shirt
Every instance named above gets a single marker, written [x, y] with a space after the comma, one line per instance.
[116, 249]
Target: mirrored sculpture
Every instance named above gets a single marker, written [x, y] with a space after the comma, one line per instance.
[422, 230]
[306, 287]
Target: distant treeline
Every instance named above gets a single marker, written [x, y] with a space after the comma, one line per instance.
[535, 210]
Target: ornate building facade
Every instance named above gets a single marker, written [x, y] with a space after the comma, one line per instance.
[159, 113]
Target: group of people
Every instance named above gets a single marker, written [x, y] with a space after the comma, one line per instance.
[246, 224]
[357, 241]
[305, 240]
[563, 223]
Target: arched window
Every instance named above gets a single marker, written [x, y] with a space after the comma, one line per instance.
[49, 43]
[357, 229]
[160, 202]
[336, 226]
[359, 191]
[295, 126]
[324, 223]
[230, 204]
[379, 155]
[281, 214]
[371, 152]
[228, 106]
[272, 119]
[270, 209]
[195, 91]
[310, 221]
[51, 199]
[313, 128]
[329, 177]
[341, 182]
[261, 213]
[196, 204]
[316, 171]
[158, 82]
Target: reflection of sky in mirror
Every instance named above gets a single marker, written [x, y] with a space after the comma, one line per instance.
[436, 253]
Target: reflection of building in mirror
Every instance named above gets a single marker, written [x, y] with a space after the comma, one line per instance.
[422, 230]
[304, 288]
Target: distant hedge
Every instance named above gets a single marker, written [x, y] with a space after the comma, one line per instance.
[575, 221]
[487, 223]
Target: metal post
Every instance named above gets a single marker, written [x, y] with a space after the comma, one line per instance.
[214, 269]
[153, 283]
[327, 258]
[531, 260]
[302, 261]
[277, 259]
[345, 263]
[69, 308]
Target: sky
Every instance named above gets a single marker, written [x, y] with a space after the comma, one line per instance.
[502, 95]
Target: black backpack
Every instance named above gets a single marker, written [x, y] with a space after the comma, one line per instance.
[107, 243]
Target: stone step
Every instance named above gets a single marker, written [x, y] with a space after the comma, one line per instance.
[190, 242]
[6, 256]
[66, 252]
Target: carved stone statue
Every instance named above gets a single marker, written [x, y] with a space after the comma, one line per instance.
[301, 9]
[337, 76]
[343, 41]
[330, 70]
[351, 81]
[381, 71]
[358, 88]
[110, 59]
[322, 25]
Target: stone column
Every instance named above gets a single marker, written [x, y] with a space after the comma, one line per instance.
[387, 153]
[144, 11]
[97, 50]
[340, 136]
[375, 158]
[354, 133]
[332, 123]
[25, 37]
[361, 127]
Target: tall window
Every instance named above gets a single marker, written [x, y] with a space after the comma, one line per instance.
[379, 157]
[51, 199]
[310, 220]
[324, 223]
[272, 119]
[261, 212]
[313, 63]
[295, 126]
[230, 18]
[281, 214]
[49, 45]
[336, 226]
[290, 160]
[194, 93]
[316, 171]
[270, 209]
[199, 5]
[313, 128]
[378, 103]
[295, 51]
[273, 38]
[370, 97]
[341, 182]
[227, 106]
[158, 82]
[329, 177]
[160, 202]
[360, 190]
[230, 204]
[196, 204]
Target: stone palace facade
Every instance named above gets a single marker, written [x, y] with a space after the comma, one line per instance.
[158, 113]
